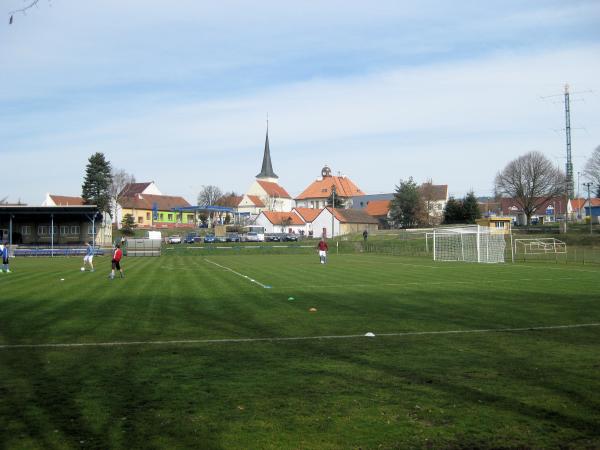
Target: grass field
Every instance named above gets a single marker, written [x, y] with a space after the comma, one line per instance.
[220, 351]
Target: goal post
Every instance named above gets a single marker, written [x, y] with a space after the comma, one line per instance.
[472, 243]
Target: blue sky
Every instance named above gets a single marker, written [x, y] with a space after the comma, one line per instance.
[178, 92]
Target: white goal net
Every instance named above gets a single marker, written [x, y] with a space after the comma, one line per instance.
[472, 243]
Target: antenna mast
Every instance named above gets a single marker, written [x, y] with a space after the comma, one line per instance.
[569, 168]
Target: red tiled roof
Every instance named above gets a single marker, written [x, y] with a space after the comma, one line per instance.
[277, 218]
[577, 203]
[594, 202]
[344, 187]
[308, 214]
[132, 189]
[256, 200]
[273, 189]
[377, 208]
[230, 201]
[63, 200]
[147, 201]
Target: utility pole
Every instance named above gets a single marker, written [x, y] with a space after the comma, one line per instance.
[332, 207]
[588, 185]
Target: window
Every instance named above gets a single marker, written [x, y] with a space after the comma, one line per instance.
[25, 230]
[75, 229]
[190, 218]
[45, 230]
[140, 219]
[170, 217]
[147, 216]
[64, 230]
[162, 216]
[499, 224]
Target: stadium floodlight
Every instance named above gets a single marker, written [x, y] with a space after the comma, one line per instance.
[472, 243]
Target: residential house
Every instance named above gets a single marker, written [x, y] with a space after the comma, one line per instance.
[334, 222]
[156, 211]
[575, 209]
[62, 200]
[592, 208]
[281, 222]
[380, 209]
[318, 192]
[434, 198]
[551, 210]
[308, 215]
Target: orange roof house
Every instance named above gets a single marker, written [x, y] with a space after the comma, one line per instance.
[317, 193]
[378, 208]
[281, 222]
[307, 214]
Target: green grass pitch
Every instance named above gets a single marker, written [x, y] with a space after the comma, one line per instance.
[176, 354]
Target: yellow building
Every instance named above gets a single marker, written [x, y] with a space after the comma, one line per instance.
[501, 225]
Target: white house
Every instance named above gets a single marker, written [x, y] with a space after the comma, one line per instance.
[342, 221]
[308, 215]
[281, 222]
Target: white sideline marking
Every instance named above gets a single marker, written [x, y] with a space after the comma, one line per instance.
[417, 283]
[296, 338]
[238, 274]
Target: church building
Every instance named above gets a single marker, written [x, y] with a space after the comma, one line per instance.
[265, 193]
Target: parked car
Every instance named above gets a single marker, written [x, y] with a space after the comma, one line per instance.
[232, 237]
[191, 238]
[252, 237]
[290, 237]
[220, 239]
[209, 238]
[175, 239]
[272, 238]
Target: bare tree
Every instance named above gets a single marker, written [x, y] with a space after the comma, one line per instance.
[592, 167]
[209, 196]
[22, 10]
[120, 179]
[531, 180]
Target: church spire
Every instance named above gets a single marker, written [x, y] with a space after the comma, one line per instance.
[267, 167]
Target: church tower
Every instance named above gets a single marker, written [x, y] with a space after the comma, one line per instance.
[266, 173]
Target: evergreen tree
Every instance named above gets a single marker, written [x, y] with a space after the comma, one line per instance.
[339, 201]
[128, 225]
[470, 208]
[453, 212]
[96, 184]
[406, 206]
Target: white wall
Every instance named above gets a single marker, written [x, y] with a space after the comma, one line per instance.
[323, 220]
